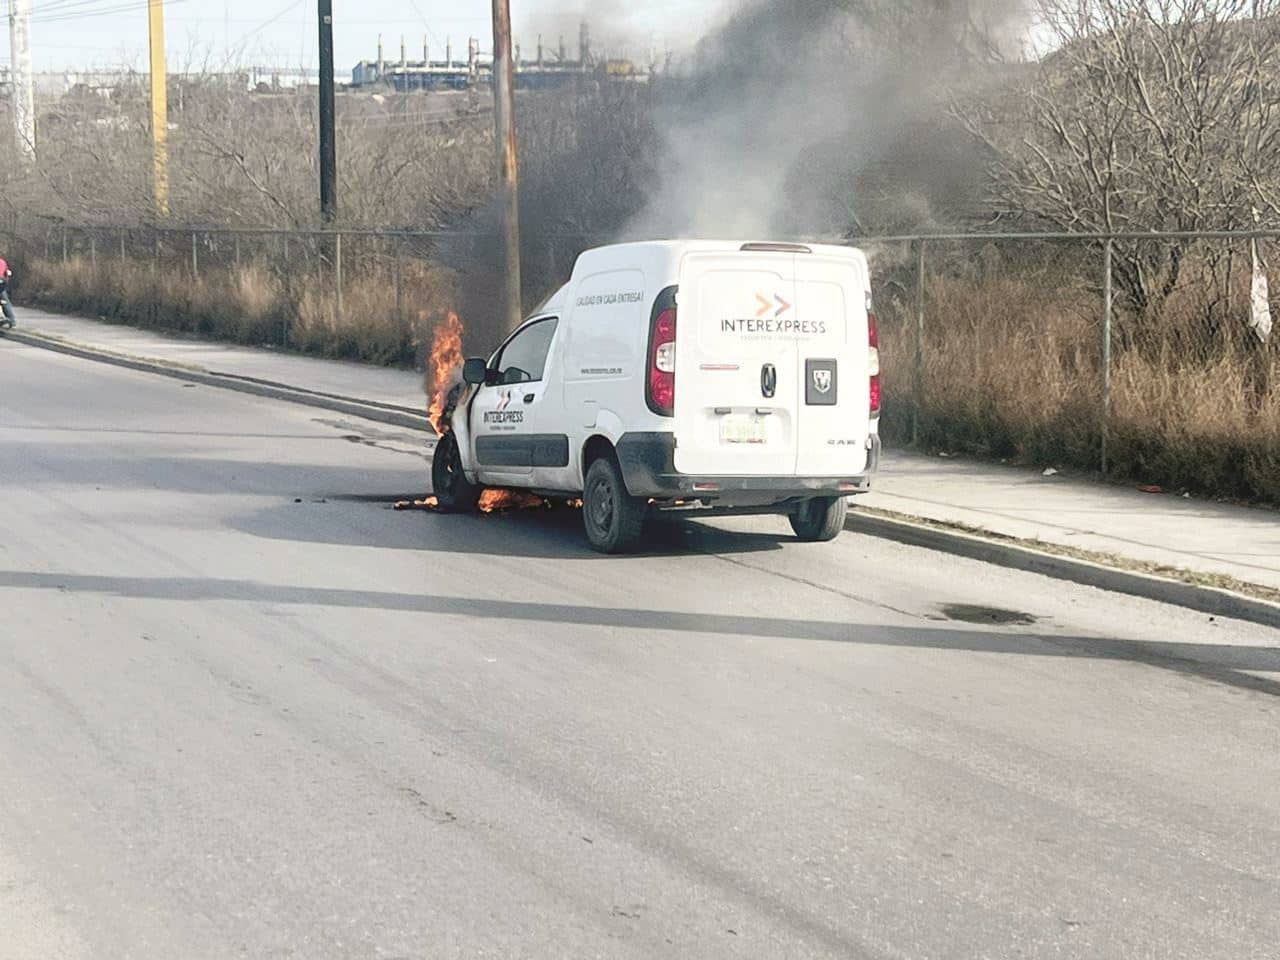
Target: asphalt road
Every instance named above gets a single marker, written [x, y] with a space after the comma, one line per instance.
[247, 710]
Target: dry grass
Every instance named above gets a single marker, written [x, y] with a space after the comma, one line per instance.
[1013, 370]
[1003, 375]
[1200, 426]
[256, 304]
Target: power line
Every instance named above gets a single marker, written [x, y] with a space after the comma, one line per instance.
[425, 26]
[284, 12]
[73, 10]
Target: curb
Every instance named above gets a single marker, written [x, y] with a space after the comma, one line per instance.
[1211, 600]
[366, 409]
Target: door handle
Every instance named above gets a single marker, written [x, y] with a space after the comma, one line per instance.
[529, 398]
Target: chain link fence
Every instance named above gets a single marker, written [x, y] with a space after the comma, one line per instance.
[1129, 354]
[369, 295]
[1135, 355]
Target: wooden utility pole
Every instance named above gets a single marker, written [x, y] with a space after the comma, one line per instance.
[328, 135]
[24, 97]
[504, 112]
[159, 110]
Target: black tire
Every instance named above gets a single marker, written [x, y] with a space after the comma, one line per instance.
[450, 486]
[821, 519]
[614, 520]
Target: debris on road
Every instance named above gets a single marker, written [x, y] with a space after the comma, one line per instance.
[430, 503]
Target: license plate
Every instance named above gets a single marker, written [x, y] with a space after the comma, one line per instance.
[739, 428]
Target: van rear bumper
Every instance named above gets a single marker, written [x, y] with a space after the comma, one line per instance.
[648, 469]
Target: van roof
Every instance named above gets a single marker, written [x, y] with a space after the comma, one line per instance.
[727, 246]
[648, 253]
[663, 257]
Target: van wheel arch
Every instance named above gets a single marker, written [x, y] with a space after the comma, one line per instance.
[596, 447]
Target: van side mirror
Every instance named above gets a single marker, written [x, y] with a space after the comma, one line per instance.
[475, 371]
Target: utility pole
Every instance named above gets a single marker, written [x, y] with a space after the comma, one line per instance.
[504, 112]
[328, 136]
[159, 110]
[24, 97]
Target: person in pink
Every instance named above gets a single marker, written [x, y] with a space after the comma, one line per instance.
[5, 305]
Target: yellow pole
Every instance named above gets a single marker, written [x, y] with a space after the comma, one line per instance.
[159, 109]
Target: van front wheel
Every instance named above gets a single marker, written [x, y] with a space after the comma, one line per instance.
[614, 519]
[820, 520]
[453, 492]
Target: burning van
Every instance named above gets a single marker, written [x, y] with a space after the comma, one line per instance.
[698, 376]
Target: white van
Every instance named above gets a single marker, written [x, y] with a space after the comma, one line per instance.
[699, 376]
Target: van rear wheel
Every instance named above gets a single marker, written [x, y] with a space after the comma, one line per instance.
[821, 519]
[614, 520]
[453, 492]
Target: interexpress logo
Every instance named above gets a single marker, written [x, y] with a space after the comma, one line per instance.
[778, 306]
[775, 316]
[500, 414]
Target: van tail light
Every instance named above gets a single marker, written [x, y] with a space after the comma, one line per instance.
[661, 385]
[873, 361]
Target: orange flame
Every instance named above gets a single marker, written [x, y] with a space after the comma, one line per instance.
[494, 499]
[446, 360]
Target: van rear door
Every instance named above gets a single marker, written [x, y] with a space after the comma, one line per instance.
[737, 388]
[834, 361]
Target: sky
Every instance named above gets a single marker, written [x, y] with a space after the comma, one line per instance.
[102, 34]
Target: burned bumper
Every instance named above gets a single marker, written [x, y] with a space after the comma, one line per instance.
[648, 468]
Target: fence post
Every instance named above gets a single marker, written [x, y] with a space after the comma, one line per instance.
[237, 236]
[123, 254]
[1106, 350]
[399, 278]
[93, 251]
[337, 267]
[64, 245]
[918, 385]
[195, 257]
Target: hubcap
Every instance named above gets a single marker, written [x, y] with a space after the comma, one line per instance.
[601, 506]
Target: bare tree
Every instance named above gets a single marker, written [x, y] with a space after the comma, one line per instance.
[1145, 115]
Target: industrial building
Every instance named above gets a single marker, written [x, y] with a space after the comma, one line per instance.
[546, 70]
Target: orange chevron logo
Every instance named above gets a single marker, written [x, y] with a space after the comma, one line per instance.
[777, 304]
